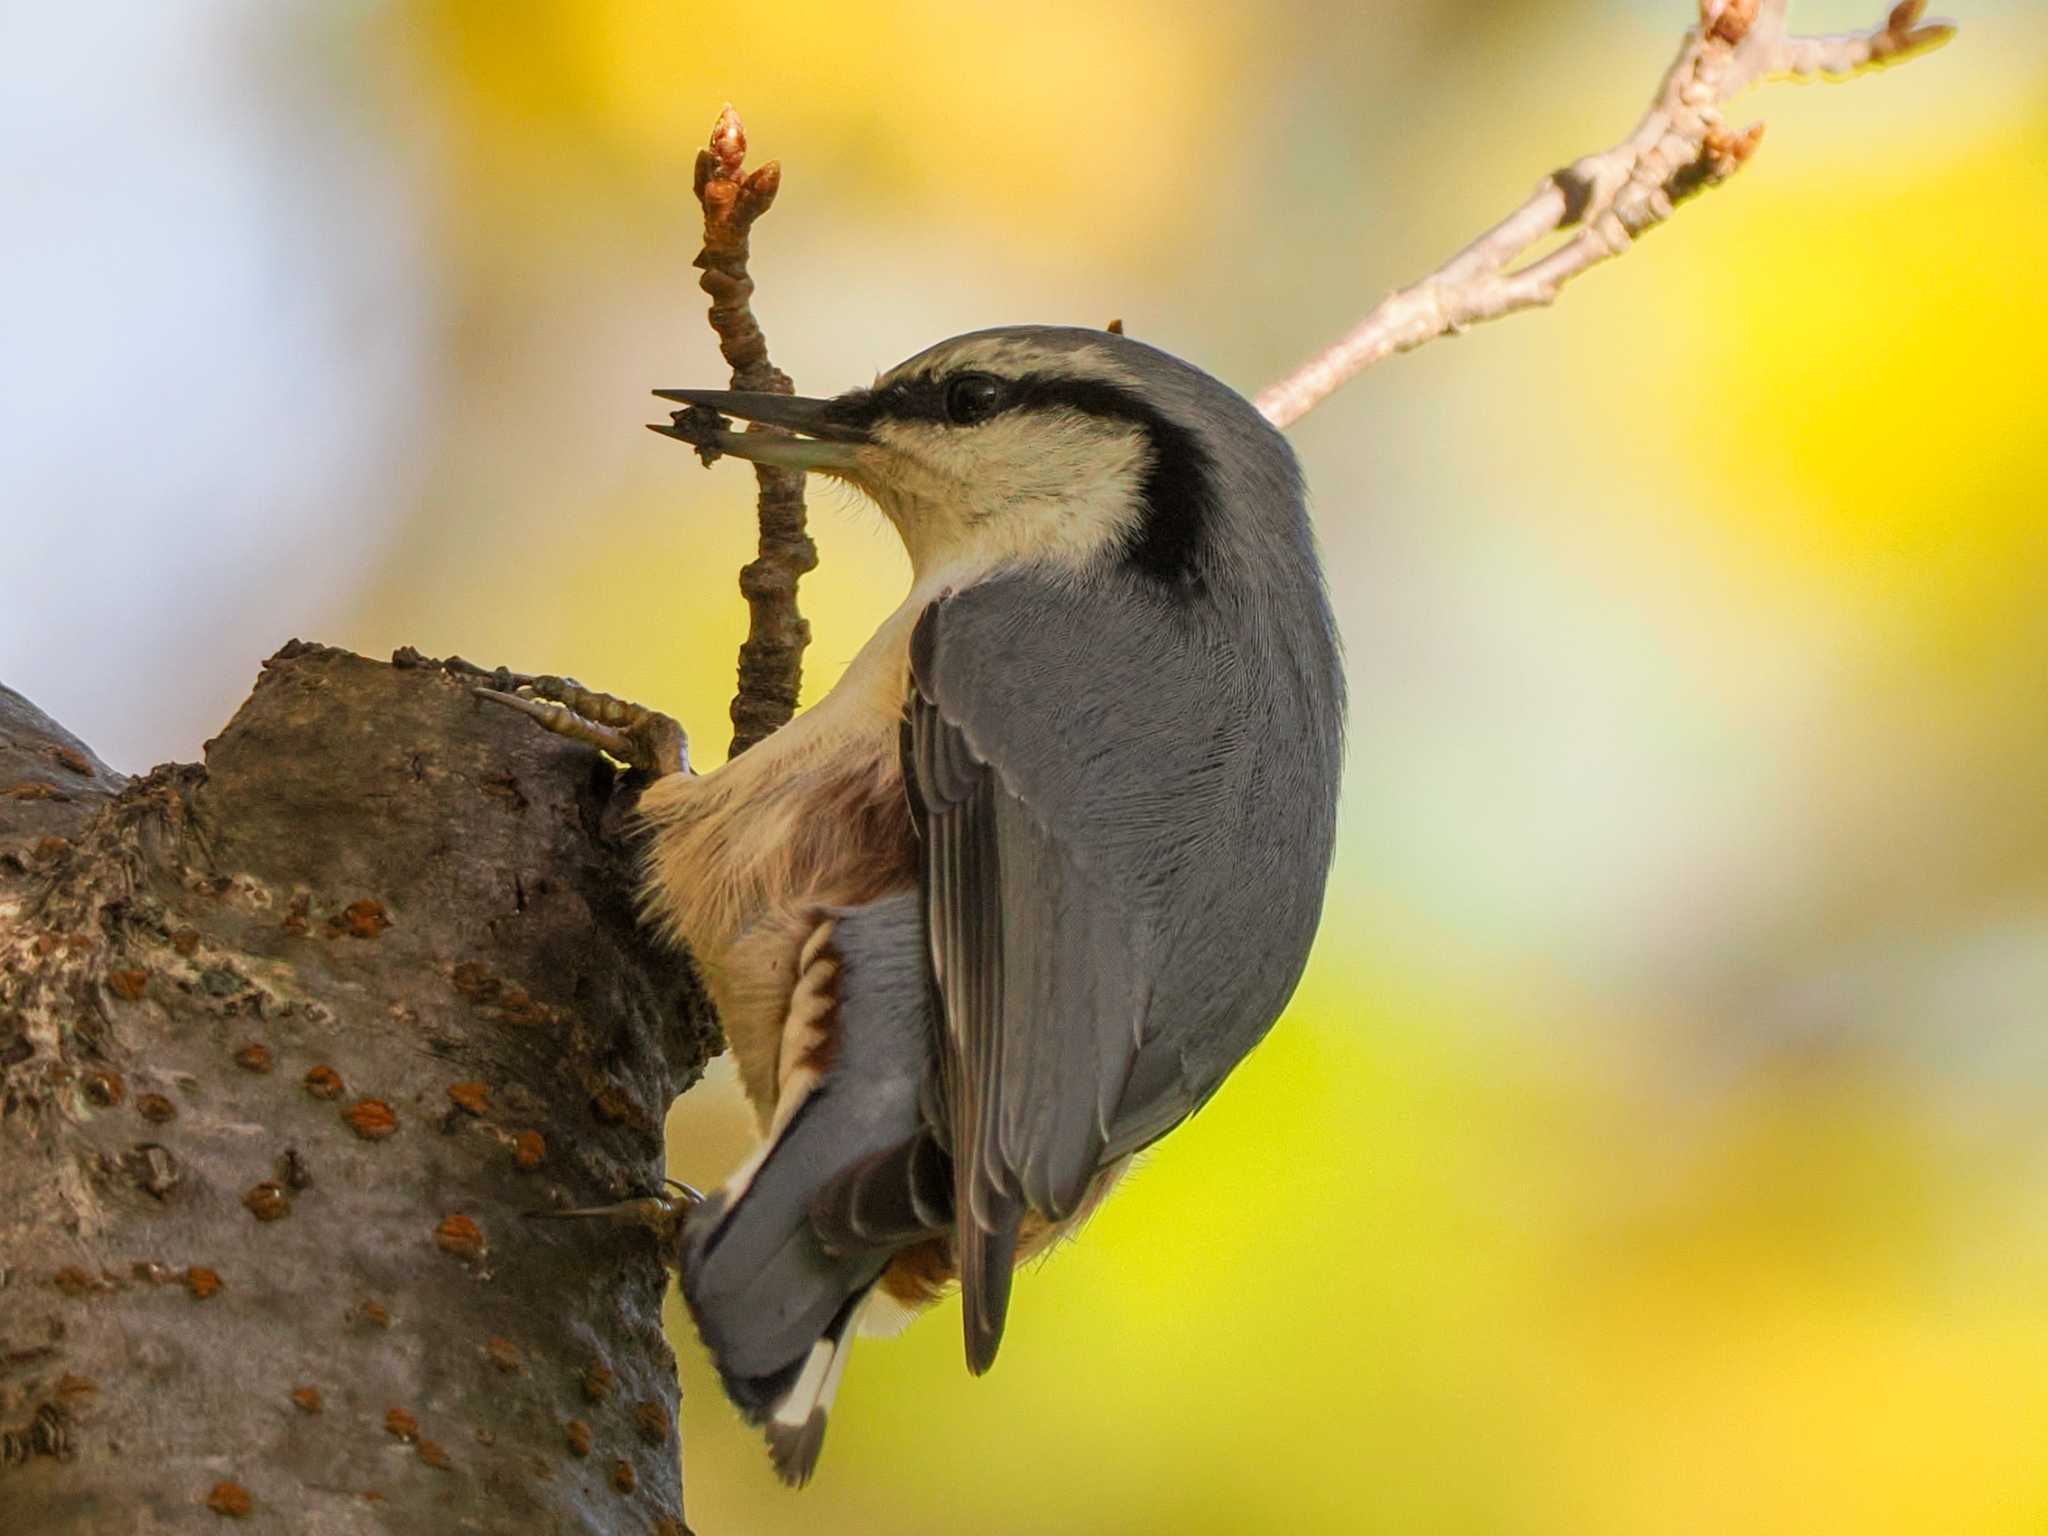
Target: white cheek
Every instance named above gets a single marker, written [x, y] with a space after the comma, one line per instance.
[1094, 499]
[1052, 486]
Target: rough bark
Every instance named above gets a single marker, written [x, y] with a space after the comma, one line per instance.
[289, 1043]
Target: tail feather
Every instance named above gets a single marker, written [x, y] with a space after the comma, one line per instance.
[988, 1256]
[774, 1304]
[896, 1197]
[763, 1290]
[796, 1425]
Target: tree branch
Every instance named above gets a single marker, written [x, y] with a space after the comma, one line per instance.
[772, 656]
[288, 1045]
[1682, 147]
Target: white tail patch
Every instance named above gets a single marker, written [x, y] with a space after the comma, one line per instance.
[796, 1427]
[796, 1408]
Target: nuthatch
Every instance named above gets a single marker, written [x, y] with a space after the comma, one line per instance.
[1009, 902]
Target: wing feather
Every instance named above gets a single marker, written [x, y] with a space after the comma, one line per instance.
[1035, 975]
[1126, 808]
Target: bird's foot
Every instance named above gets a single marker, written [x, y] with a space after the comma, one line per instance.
[662, 1213]
[641, 738]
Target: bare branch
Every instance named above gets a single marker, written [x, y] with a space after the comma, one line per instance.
[1682, 147]
[1850, 53]
[772, 656]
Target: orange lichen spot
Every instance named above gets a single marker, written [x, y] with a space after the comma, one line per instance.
[32, 791]
[127, 985]
[579, 1437]
[473, 1097]
[70, 1388]
[186, 941]
[324, 1083]
[651, 1419]
[504, 1354]
[154, 1106]
[268, 1201]
[624, 1478]
[306, 1399]
[51, 848]
[201, 1282]
[363, 919]
[254, 1057]
[75, 761]
[611, 1104]
[1726, 151]
[515, 1006]
[669, 1525]
[529, 1149]
[460, 1236]
[105, 1088]
[474, 980]
[374, 1313]
[371, 1119]
[230, 1499]
[431, 1453]
[597, 1381]
[372, 1496]
[400, 1423]
[74, 1281]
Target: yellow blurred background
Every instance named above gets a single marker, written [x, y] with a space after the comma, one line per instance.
[1658, 1141]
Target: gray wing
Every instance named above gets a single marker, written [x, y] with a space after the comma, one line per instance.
[1066, 752]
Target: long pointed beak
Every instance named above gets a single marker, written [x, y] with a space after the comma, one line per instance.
[823, 444]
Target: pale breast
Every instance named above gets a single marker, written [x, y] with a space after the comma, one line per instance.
[813, 815]
[818, 828]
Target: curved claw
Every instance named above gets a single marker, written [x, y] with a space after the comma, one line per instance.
[662, 1215]
[564, 721]
[642, 739]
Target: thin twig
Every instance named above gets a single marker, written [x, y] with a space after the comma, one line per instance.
[772, 656]
[1681, 148]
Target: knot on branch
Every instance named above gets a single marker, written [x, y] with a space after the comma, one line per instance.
[732, 199]
[1727, 21]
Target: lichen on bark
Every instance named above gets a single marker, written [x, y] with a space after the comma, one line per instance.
[290, 1043]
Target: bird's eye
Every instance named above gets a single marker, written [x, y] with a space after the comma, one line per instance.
[972, 397]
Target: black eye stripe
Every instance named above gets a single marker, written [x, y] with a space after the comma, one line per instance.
[923, 398]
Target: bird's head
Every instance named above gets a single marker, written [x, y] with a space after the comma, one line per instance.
[1028, 443]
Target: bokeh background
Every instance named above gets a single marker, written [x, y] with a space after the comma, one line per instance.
[1658, 1141]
